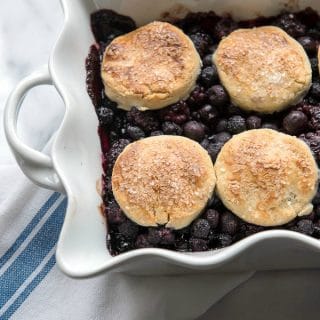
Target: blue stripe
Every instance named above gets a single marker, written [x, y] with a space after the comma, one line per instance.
[33, 254]
[28, 229]
[31, 286]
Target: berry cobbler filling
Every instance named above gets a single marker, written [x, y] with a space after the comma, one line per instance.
[206, 116]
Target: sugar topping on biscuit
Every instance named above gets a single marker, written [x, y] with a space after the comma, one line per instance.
[165, 180]
[151, 67]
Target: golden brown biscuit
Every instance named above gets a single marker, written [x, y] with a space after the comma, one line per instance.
[266, 177]
[163, 180]
[151, 67]
[263, 69]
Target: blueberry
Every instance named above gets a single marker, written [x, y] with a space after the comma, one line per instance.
[315, 90]
[309, 44]
[207, 60]
[295, 122]
[205, 143]
[270, 125]
[253, 122]
[229, 223]
[135, 133]
[105, 115]
[142, 242]
[212, 217]
[153, 236]
[146, 120]
[223, 27]
[208, 113]
[222, 125]
[223, 137]
[218, 96]
[251, 229]
[317, 212]
[194, 130]
[171, 128]
[214, 149]
[120, 243]
[200, 228]
[198, 244]
[201, 42]
[114, 213]
[289, 23]
[316, 198]
[209, 75]
[305, 226]
[129, 229]
[236, 124]
[314, 65]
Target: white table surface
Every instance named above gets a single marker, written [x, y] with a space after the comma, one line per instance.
[28, 29]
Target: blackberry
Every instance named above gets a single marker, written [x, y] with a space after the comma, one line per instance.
[197, 97]
[222, 125]
[209, 75]
[201, 42]
[312, 139]
[177, 113]
[171, 128]
[223, 240]
[236, 124]
[194, 130]
[289, 23]
[106, 22]
[200, 228]
[114, 213]
[105, 116]
[251, 229]
[229, 223]
[129, 229]
[305, 226]
[156, 133]
[162, 236]
[142, 242]
[198, 244]
[120, 243]
[309, 44]
[253, 122]
[115, 150]
[315, 90]
[295, 122]
[135, 133]
[223, 137]
[212, 217]
[146, 120]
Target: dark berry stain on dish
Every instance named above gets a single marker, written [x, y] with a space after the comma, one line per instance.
[208, 117]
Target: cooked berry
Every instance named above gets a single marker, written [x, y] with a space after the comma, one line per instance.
[316, 198]
[317, 211]
[197, 97]
[236, 124]
[205, 143]
[146, 120]
[209, 75]
[289, 23]
[313, 141]
[223, 27]
[207, 60]
[295, 122]
[223, 137]
[106, 22]
[135, 133]
[160, 236]
[129, 229]
[270, 125]
[201, 42]
[182, 245]
[200, 228]
[171, 128]
[115, 150]
[214, 149]
[194, 130]
[253, 122]
[309, 44]
[114, 213]
[212, 217]
[156, 133]
[142, 242]
[305, 226]
[105, 115]
[120, 243]
[315, 90]
[177, 113]
[251, 229]
[222, 125]
[233, 110]
[229, 223]
[314, 65]
[223, 240]
[218, 97]
[208, 114]
[198, 244]
[316, 229]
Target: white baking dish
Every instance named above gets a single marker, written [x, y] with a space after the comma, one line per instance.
[74, 166]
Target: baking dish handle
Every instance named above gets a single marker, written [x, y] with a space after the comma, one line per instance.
[36, 165]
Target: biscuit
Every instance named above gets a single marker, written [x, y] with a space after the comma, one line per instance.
[263, 69]
[151, 67]
[165, 180]
[266, 177]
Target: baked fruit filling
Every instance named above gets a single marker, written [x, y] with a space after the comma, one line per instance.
[209, 127]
